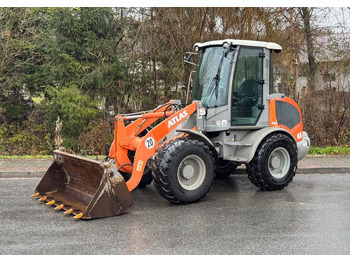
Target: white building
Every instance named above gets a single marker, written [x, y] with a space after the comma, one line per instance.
[332, 55]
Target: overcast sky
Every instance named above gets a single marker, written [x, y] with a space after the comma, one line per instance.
[336, 19]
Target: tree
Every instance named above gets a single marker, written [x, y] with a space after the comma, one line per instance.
[82, 68]
[19, 31]
[165, 34]
[306, 13]
[82, 49]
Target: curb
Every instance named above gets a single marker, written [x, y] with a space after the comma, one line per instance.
[239, 171]
[323, 170]
[311, 170]
[22, 174]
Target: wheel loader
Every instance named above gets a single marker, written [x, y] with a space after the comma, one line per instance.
[232, 116]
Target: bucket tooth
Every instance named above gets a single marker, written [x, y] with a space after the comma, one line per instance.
[35, 194]
[42, 199]
[80, 215]
[59, 207]
[69, 211]
[50, 203]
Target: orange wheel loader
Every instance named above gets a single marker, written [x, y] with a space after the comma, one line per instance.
[235, 117]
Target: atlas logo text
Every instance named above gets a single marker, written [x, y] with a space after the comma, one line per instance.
[176, 119]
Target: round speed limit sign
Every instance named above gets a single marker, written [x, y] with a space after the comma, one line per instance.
[149, 142]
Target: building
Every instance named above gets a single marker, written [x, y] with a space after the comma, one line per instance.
[332, 55]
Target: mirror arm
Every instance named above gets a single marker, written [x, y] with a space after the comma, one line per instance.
[188, 62]
[188, 86]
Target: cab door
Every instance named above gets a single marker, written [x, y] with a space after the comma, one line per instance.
[247, 95]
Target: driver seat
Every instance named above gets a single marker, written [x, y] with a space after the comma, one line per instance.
[248, 94]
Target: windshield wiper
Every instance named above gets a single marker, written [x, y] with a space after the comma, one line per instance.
[215, 80]
[217, 76]
[208, 94]
[226, 49]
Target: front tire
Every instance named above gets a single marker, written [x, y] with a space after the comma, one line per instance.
[183, 171]
[274, 164]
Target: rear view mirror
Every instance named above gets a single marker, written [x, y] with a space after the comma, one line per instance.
[188, 58]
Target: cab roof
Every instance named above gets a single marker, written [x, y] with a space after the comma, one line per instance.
[268, 45]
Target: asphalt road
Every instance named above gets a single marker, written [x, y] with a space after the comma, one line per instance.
[311, 216]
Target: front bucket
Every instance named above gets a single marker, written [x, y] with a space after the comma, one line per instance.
[84, 187]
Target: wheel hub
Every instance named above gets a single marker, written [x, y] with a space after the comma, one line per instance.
[191, 172]
[187, 171]
[279, 162]
[275, 161]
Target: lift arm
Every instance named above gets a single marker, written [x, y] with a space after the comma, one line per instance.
[126, 138]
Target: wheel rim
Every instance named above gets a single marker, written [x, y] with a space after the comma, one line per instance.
[191, 172]
[279, 162]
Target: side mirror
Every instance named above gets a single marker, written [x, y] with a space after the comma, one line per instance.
[188, 58]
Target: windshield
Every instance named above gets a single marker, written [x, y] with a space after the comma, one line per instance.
[211, 82]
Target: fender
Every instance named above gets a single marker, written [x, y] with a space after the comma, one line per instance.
[255, 137]
[197, 135]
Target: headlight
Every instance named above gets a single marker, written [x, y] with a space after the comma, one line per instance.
[202, 111]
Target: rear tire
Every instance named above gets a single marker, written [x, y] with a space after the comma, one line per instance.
[183, 171]
[274, 164]
[146, 180]
[224, 168]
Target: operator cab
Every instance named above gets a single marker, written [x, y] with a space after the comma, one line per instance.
[230, 79]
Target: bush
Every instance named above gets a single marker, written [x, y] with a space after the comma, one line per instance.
[32, 136]
[97, 137]
[326, 116]
[74, 109]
